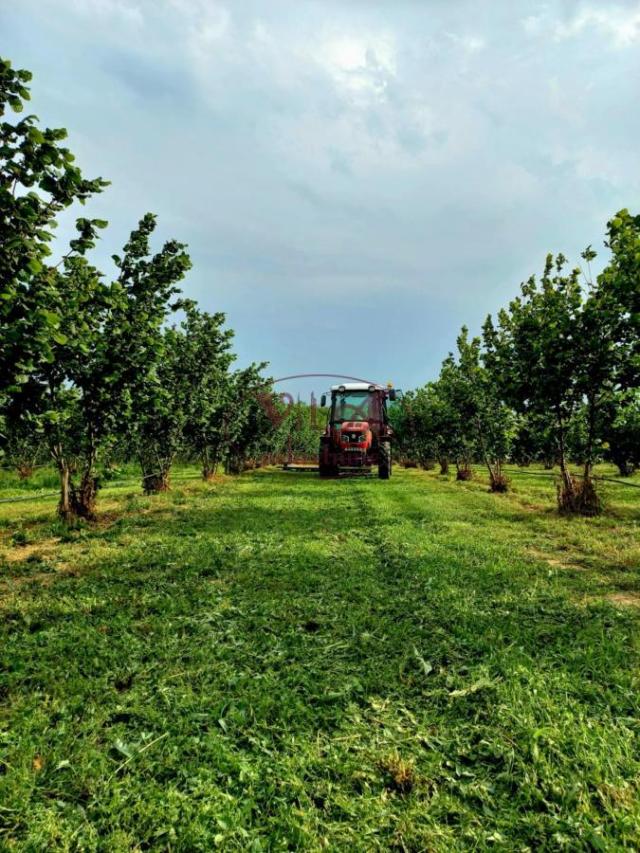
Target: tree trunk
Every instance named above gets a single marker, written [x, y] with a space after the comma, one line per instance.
[156, 482]
[65, 505]
[84, 498]
[575, 497]
[587, 500]
[444, 465]
[235, 464]
[463, 471]
[497, 480]
[209, 465]
[568, 483]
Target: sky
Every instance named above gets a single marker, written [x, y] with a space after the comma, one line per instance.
[355, 180]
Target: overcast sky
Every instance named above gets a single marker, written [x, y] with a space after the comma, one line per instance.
[355, 180]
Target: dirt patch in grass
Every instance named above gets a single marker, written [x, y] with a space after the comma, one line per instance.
[30, 552]
[624, 599]
[554, 562]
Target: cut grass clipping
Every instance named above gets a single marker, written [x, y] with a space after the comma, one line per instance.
[273, 662]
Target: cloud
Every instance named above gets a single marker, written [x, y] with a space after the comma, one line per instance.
[468, 42]
[122, 12]
[361, 67]
[621, 25]
[385, 167]
[618, 24]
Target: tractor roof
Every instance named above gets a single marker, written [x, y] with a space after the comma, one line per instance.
[355, 386]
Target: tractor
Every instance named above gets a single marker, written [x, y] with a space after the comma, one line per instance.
[357, 436]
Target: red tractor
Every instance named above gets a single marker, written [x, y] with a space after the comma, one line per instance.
[358, 435]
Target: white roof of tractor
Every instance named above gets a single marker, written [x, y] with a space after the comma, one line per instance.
[355, 386]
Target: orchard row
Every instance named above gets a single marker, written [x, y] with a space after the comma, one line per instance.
[94, 370]
[555, 377]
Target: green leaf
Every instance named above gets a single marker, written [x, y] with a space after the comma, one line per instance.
[50, 317]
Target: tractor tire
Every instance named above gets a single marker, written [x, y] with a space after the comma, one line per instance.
[328, 470]
[384, 462]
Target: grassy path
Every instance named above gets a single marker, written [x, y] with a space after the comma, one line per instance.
[282, 663]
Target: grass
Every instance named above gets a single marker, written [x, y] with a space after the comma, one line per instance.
[274, 662]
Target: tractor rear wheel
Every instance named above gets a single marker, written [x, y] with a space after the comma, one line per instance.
[384, 461]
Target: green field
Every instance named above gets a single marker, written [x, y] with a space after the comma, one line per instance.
[274, 662]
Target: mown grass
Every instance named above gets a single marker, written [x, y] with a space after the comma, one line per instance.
[275, 662]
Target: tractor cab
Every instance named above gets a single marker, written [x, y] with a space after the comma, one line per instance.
[356, 405]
